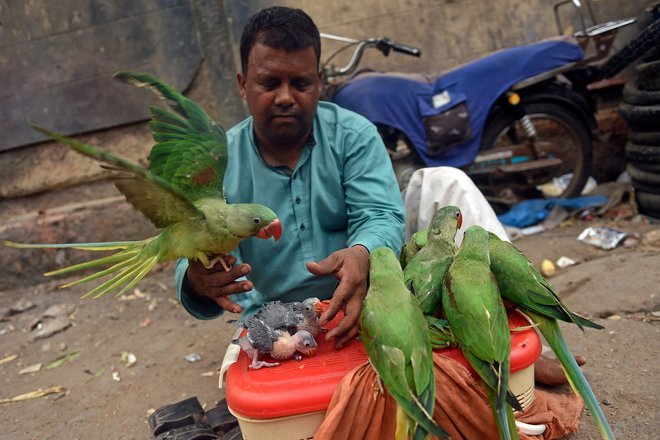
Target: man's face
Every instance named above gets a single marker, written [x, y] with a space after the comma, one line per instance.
[282, 90]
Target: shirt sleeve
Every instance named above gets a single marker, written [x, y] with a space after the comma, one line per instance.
[376, 216]
[196, 306]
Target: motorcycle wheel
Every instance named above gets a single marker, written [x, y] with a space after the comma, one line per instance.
[561, 134]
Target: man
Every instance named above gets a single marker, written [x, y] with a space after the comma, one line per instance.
[322, 169]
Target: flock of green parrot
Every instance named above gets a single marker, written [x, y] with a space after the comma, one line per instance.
[447, 296]
[181, 192]
[430, 296]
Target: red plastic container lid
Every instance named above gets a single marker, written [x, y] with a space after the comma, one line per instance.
[295, 388]
[292, 387]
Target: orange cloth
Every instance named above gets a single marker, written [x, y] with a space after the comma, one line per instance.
[359, 411]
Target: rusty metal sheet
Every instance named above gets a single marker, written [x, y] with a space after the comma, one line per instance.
[63, 80]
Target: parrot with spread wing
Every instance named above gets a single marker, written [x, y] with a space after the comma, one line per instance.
[426, 271]
[394, 333]
[521, 284]
[181, 193]
[477, 317]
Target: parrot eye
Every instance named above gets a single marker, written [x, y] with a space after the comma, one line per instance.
[457, 214]
[306, 343]
[256, 220]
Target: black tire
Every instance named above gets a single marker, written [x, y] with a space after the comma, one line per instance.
[633, 95]
[644, 137]
[641, 175]
[648, 201]
[641, 117]
[647, 166]
[646, 187]
[234, 434]
[648, 76]
[643, 153]
[638, 46]
[577, 155]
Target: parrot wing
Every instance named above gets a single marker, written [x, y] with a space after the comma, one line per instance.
[426, 269]
[522, 284]
[161, 201]
[191, 148]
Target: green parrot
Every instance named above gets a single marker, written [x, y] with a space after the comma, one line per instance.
[475, 311]
[408, 250]
[426, 271]
[394, 333]
[181, 192]
[521, 284]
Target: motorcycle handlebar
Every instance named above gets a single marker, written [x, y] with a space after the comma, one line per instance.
[401, 48]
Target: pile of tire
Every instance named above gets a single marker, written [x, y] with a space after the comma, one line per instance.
[641, 110]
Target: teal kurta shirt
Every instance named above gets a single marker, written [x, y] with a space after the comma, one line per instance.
[342, 193]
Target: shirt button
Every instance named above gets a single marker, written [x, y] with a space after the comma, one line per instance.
[302, 226]
[298, 200]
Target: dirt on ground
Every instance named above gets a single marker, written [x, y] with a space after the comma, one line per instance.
[121, 358]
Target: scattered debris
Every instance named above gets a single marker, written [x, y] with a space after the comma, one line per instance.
[53, 320]
[8, 358]
[20, 306]
[603, 237]
[30, 369]
[209, 373]
[145, 323]
[547, 268]
[94, 375]
[64, 358]
[34, 394]
[563, 262]
[193, 357]
[614, 317]
[128, 359]
[115, 375]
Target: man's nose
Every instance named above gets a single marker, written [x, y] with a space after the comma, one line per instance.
[284, 95]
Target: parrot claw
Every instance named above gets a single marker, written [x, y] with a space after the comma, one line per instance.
[297, 356]
[259, 364]
[215, 260]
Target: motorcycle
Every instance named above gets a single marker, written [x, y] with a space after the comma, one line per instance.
[513, 120]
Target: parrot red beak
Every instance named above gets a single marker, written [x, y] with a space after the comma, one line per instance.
[274, 229]
[460, 221]
[320, 307]
[310, 351]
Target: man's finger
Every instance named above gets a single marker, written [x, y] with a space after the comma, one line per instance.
[345, 330]
[229, 305]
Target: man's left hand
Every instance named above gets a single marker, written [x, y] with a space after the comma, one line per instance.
[351, 267]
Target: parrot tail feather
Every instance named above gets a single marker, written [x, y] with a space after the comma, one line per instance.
[131, 275]
[504, 418]
[549, 328]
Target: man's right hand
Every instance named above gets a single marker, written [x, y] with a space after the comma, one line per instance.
[217, 283]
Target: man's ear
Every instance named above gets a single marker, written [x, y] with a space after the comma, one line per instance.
[240, 78]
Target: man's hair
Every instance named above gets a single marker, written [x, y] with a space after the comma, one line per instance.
[280, 27]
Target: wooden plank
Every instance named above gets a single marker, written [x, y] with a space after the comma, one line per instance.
[64, 81]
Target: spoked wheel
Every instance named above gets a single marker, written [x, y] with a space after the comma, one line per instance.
[507, 169]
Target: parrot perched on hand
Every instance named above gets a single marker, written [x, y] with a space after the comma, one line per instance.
[181, 192]
[394, 333]
[476, 314]
[279, 344]
[426, 271]
[521, 284]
